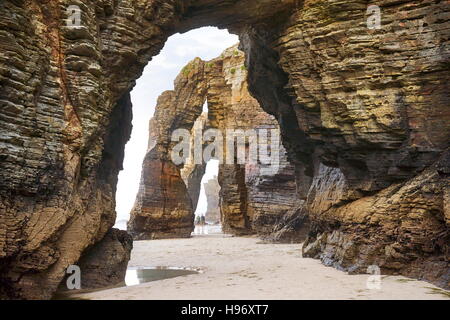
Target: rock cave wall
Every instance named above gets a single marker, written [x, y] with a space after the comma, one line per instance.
[365, 114]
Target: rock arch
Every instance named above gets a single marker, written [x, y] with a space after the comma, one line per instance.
[372, 104]
[251, 201]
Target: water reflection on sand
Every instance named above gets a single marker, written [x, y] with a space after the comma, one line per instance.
[135, 276]
[207, 229]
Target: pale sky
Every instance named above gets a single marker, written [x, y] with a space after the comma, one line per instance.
[206, 43]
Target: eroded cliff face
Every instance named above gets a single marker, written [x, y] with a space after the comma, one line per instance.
[163, 207]
[371, 104]
[61, 85]
[403, 229]
[253, 196]
[365, 113]
[65, 117]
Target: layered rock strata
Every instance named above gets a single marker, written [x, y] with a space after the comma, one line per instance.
[371, 103]
[402, 229]
[365, 113]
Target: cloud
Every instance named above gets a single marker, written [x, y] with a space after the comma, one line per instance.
[162, 61]
[185, 50]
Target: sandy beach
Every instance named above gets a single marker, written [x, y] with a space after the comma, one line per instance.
[246, 268]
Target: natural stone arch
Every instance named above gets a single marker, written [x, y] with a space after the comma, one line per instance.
[66, 116]
[251, 199]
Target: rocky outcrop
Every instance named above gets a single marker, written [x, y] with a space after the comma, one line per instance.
[402, 229]
[271, 197]
[212, 190]
[163, 207]
[370, 103]
[292, 227]
[46, 228]
[105, 264]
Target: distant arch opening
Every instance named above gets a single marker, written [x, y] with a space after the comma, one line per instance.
[158, 76]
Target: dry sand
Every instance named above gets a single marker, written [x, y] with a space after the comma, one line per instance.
[245, 268]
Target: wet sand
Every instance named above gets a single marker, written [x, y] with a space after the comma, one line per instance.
[245, 268]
